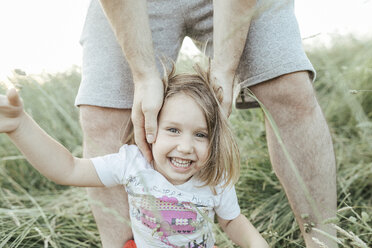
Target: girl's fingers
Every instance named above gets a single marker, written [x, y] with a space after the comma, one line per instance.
[13, 97]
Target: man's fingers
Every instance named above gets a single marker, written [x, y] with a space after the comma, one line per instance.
[139, 135]
[148, 99]
[13, 98]
[146, 151]
[227, 108]
[227, 102]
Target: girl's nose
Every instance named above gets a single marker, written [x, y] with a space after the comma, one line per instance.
[185, 145]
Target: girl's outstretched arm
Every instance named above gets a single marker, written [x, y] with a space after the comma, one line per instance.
[48, 156]
[242, 232]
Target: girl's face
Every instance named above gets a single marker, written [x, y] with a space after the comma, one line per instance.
[181, 146]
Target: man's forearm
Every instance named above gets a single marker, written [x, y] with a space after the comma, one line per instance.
[130, 23]
[231, 23]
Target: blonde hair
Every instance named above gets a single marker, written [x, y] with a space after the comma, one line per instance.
[223, 163]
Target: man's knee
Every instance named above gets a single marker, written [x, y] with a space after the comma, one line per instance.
[104, 129]
[288, 95]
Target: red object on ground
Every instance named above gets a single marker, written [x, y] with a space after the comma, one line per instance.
[130, 244]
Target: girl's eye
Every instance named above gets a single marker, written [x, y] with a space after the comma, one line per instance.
[201, 135]
[173, 130]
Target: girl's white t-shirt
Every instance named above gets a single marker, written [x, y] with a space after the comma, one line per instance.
[163, 214]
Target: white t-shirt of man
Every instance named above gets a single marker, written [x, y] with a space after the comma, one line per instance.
[163, 214]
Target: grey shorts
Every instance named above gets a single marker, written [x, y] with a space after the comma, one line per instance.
[273, 46]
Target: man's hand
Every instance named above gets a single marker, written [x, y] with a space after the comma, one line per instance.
[11, 110]
[231, 21]
[226, 81]
[148, 100]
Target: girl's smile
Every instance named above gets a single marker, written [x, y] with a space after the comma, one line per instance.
[180, 163]
[181, 146]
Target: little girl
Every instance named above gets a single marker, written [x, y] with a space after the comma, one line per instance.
[172, 200]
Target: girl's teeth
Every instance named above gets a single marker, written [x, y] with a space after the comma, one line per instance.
[180, 162]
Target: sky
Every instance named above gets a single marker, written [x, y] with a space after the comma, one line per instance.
[43, 35]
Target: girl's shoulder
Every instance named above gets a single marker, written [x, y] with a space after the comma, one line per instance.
[130, 149]
[133, 156]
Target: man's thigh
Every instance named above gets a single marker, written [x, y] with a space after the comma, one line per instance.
[292, 92]
[274, 45]
[273, 48]
[106, 76]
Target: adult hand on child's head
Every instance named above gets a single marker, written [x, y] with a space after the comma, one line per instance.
[225, 80]
[148, 100]
[11, 109]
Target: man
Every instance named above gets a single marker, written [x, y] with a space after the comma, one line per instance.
[258, 42]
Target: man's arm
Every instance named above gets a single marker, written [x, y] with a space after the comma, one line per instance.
[130, 23]
[47, 156]
[242, 232]
[231, 21]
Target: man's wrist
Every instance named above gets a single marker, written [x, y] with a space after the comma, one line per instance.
[223, 67]
[145, 75]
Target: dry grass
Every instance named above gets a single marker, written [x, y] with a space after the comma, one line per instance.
[37, 213]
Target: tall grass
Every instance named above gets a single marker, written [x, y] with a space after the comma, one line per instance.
[35, 212]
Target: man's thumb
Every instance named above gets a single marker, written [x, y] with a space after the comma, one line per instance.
[13, 97]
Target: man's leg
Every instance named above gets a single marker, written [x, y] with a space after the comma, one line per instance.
[292, 103]
[107, 81]
[103, 130]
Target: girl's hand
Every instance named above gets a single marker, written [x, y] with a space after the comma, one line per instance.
[11, 111]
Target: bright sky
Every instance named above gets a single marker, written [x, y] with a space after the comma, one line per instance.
[43, 35]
